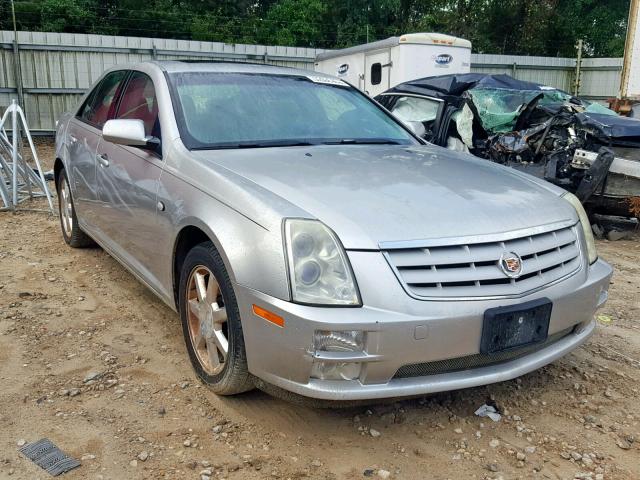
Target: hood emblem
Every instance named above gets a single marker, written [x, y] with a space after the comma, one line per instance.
[511, 264]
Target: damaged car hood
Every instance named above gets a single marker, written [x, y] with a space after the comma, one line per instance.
[373, 194]
[615, 127]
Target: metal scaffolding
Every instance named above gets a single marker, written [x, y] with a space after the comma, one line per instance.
[19, 181]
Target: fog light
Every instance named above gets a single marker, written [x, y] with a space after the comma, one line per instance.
[336, 371]
[345, 341]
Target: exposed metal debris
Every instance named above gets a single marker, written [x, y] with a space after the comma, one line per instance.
[578, 145]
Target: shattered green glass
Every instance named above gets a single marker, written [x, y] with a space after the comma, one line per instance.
[499, 108]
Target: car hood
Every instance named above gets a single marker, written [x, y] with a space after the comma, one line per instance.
[615, 127]
[374, 194]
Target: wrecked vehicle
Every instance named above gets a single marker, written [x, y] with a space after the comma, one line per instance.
[580, 146]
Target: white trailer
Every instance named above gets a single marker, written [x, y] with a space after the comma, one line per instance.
[630, 81]
[377, 66]
[628, 101]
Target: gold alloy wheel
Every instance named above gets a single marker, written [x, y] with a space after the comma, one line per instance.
[66, 208]
[207, 320]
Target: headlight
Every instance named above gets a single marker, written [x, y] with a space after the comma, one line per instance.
[319, 270]
[586, 226]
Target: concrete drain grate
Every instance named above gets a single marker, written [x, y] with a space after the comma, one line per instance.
[49, 457]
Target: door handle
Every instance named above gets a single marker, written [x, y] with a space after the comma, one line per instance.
[103, 159]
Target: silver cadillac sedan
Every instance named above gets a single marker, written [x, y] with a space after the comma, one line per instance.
[311, 242]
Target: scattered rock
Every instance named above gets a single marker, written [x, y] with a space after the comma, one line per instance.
[22, 442]
[74, 392]
[623, 444]
[133, 463]
[493, 467]
[384, 473]
[92, 376]
[374, 433]
[142, 456]
[494, 443]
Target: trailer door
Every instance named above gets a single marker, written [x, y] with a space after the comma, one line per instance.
[377, 70]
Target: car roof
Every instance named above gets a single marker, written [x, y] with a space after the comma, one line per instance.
[441, 86]
[177, 66]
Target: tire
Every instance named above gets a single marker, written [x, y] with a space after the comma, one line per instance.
[71, 231]
[205, 291]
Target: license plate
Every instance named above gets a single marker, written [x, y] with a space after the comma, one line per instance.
[505, 328]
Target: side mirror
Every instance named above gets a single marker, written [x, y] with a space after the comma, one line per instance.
[128, 132]
[416, 127]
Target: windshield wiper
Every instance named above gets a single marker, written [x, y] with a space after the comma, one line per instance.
[362, 141]
[265, 144]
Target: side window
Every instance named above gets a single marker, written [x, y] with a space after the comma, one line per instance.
[139, 103]
[99, 104]
[376, 73]
[414, 109]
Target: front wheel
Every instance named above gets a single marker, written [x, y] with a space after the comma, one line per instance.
[211, 322]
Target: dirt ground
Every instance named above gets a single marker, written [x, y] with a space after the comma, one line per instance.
[68, 315]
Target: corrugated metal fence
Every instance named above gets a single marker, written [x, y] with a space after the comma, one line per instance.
[599, 80]
[56, 68]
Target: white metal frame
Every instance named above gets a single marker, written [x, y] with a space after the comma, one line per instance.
[18, 181]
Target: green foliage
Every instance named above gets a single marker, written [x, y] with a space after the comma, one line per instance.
[524, 27]
[294, 22]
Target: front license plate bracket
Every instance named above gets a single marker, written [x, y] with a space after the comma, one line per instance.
[515, 326]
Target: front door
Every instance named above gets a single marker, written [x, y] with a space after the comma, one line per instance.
[128, 183]
[377, 71]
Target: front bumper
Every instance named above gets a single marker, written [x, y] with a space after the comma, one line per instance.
[402, 331]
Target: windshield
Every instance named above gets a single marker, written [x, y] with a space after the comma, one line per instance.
[236, 110]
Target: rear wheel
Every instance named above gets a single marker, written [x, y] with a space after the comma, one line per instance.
[211, 322]
[71, 231]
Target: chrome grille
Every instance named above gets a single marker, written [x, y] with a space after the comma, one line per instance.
[473, 269]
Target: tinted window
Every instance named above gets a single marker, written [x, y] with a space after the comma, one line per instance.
[231, 109]
[376, 73]
[99, 106]
[138, 102]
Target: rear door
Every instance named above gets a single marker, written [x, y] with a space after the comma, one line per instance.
[128, 183]
[82, 139]
[377, 72]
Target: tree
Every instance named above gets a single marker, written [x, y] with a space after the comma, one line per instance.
[519, 27]
[294, 22]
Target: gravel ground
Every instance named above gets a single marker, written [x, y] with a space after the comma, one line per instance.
[93, 361]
